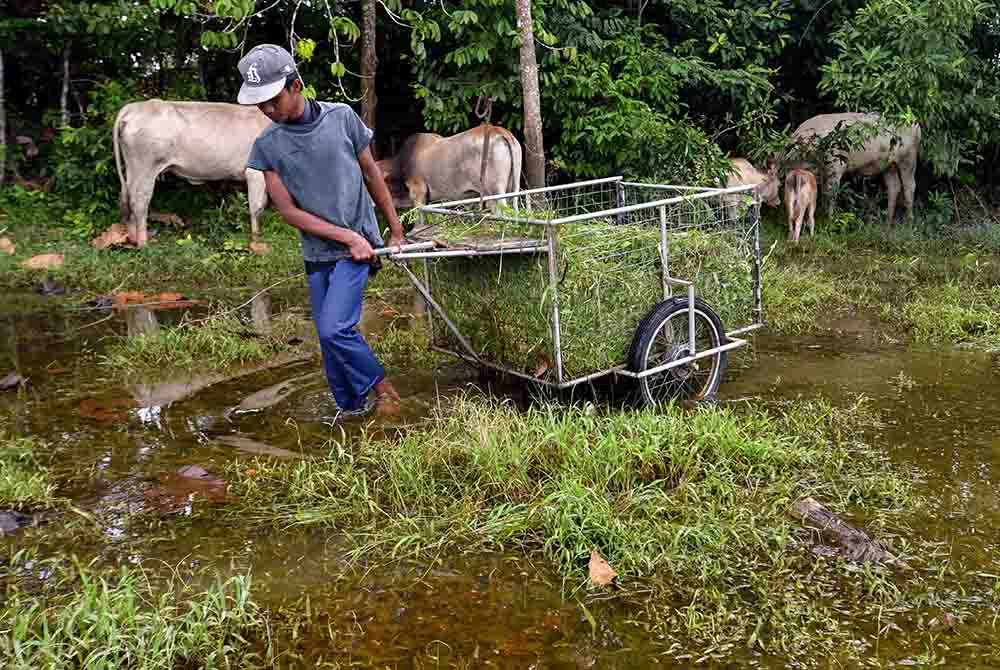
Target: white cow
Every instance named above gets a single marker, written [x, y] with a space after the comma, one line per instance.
[197, 141]
[432, 168]
[891, 152]
[744, 174]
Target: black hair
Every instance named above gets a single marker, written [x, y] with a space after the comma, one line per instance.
[291, 79]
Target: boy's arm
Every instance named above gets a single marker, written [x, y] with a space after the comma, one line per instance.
[375, 183]
[282, 200]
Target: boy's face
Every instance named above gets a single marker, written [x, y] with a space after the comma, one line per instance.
[284, 106]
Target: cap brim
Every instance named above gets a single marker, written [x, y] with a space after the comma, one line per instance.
[254, 95]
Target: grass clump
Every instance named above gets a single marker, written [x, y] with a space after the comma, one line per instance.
[403, 344]
[218, 343]
[609, 279]
[956, 312]
[85, 620]
[689, 505]
[796, 298]
[24, 482]
[207, 253]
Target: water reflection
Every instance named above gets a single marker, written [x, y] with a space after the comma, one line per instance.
[140, 321]
[260, 312]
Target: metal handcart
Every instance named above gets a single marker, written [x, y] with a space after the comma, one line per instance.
[584, 277]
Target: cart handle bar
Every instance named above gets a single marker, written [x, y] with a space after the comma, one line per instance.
[404, 248]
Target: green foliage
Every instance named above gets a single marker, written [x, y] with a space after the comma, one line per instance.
[911, 61]
[470, 50]
[84, 171]
[620, 110]
[735, 34]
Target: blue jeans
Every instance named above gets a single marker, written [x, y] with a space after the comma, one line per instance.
[336, 291]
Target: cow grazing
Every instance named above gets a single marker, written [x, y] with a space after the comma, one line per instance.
[433, 168]
[744, 174]
[197, 141]
[800, 202]
[891, 152]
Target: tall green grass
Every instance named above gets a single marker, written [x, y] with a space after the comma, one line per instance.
[24, 482]
[217, 343]
[689, 505]
[84, 620]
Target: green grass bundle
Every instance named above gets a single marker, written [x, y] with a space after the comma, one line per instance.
[609, 277]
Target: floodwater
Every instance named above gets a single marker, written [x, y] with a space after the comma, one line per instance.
[120, 448]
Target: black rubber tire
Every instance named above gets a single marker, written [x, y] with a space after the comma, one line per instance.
[651, 325]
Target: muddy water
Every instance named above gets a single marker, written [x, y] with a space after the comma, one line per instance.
[940, 409]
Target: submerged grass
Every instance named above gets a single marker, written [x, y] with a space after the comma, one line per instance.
[83, 619]
[956, 312]
[24, 482]
[935, 290]
[403, 344]
[688, 504]
[215, 344]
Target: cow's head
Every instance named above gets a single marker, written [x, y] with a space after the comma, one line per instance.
[394, 182]
[769, 187]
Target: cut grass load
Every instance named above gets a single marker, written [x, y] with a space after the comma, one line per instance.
[608, 278]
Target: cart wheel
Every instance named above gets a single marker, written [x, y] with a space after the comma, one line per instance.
[663, 336]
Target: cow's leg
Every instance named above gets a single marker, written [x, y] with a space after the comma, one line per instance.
[811, 213]
[834, 173]
[891, 179]
[790, 210]
[257, 197]
[800, 214]
[907, 175]
[141, 184]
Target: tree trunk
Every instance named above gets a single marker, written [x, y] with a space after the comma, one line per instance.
[64, 98]
[3, 126]
[369, 63]
[533, 145]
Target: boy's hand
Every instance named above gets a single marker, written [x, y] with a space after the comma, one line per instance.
[361, 251]
[396, 241]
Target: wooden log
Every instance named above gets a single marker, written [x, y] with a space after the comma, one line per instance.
[853, 543]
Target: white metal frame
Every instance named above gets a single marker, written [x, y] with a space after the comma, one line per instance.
[550, 247]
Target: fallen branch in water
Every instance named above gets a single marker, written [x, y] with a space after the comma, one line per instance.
[854, 544]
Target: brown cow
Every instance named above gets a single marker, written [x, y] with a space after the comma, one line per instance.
[430, 167]
[800, 202]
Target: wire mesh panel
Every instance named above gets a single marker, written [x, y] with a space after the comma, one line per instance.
[711, 240]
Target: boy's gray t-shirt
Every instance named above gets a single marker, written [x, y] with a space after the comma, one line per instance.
[318, 163]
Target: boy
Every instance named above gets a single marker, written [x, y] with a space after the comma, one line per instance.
[320, 172]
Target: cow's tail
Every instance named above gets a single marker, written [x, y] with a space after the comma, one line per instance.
[124, 205]
[516, 157]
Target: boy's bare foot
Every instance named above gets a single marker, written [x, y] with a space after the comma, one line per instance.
[385, 388]
[386, 398]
